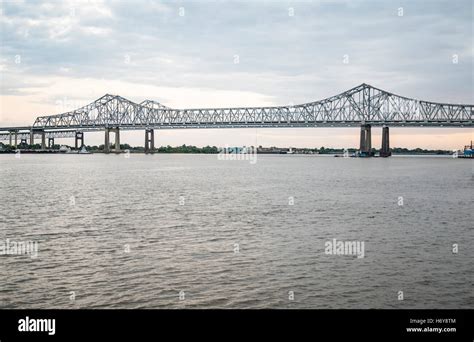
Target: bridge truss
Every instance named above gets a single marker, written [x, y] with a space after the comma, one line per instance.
[363, 104]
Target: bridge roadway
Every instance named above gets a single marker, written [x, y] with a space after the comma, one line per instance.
[363, 106]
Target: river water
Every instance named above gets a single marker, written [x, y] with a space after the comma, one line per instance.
[192, 231]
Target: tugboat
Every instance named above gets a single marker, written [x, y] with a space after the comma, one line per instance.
[468, 152]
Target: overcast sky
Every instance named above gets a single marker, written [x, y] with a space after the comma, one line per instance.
[60, 55]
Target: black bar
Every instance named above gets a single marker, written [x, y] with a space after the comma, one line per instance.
[229, 324]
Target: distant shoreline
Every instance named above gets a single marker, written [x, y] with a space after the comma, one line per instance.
[201, 153]
[185, 149]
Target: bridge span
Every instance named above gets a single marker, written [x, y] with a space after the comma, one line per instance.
[363, 106]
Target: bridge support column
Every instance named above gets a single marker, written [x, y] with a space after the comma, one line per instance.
[107, 139]
[149, 140]
[50, 142]
[117, 139]
[385, 150]
[10, 138]
[365, 141]
[32, 138]
[79, 136]
[43, 140]
[16, 139]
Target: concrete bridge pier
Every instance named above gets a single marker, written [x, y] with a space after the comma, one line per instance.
[385, 150]
[50, 142]
[15, 141]
[32, 138]
[78, 136]
[107, 140]
[10, 138]
[115, 130]
[366, 141]
[117, 139]
[43, 140]
[149, 140]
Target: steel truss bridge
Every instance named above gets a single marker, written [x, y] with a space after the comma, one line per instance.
[363, 106]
